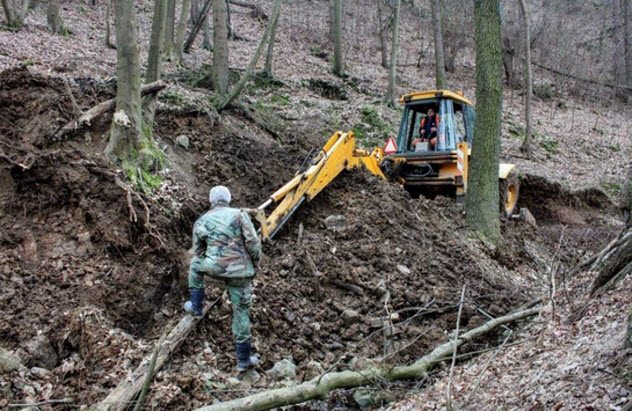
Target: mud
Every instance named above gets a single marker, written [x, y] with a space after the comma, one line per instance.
[101, 273]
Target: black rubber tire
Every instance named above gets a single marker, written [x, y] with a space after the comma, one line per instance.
[509, 190]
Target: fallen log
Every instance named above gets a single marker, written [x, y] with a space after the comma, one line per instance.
[128, 388]
[105, 107]
[320, 386]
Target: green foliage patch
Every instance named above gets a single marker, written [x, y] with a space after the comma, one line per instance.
[371, 130]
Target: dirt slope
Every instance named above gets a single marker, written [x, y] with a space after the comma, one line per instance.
[92, 286]
[99, 275]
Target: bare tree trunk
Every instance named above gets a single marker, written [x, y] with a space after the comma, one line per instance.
[270, 54]
[627, 47]
[170, 29]
[15, 12]
[332, 11]
[438, 41]
[381, 27]
[125, 131]
[526, 144]
[220, 47]
[628, 334]
[337, 29]
[154, 60]
[181, 31]
[253, 61]
[8, 12]
[482, 209]
[55, 23]
[207, 35]
[390, 92]
[108, 29]
[618, 60]
[229, 23]
[508, 54]
[156, 42]
[626, 199]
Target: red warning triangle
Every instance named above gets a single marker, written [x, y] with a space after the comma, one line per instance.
[390, 147]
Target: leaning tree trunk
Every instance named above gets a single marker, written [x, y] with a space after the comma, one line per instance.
[181, 31]
[55, 23]
[437, 12]
[482, 209]
[154, 60]
[220, 47]
[270, 54]
[338, 66]
[224, 102]
[125, 131]
[390, 92]
[526, 144]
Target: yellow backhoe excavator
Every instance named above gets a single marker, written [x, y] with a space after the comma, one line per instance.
[423, 164]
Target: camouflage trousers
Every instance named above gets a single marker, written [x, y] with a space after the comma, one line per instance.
[240, 293]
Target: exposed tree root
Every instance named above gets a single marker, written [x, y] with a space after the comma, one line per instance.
[105, 107]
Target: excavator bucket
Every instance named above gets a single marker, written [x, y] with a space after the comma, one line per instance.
[338, 154]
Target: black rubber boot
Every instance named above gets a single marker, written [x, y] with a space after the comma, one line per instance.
[196, 304]
[244, 359]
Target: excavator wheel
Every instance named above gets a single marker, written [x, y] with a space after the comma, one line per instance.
[508, 189]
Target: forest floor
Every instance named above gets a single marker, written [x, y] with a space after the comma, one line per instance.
[91, 274]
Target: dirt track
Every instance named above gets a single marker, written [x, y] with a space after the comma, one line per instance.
[75, 268]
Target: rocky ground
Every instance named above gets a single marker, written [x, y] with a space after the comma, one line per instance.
[92, 273]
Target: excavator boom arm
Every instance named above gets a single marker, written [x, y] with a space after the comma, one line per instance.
[338, 154]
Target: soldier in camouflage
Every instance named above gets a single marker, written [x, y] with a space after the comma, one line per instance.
[226, 248]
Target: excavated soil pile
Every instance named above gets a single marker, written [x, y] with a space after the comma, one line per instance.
[80, 253]
[575, 222]
[363, 251]
[90, 271]
[551, 203]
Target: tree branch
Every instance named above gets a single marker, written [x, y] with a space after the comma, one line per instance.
[319, 387]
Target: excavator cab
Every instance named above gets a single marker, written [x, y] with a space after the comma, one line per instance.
[441, 168]
[454, 124]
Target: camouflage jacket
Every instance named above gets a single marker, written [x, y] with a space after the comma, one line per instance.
[227, 240]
